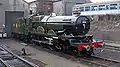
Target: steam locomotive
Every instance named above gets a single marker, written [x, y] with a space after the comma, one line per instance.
[59, 33]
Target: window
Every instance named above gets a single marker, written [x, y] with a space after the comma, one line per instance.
[102, 7]
[81, 8]
[119, 6]
[107, 7]
[77, 8]
[87, 8]
[113, 6]
[16, 25]
[94, 8]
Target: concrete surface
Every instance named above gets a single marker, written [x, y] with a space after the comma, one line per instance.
[50, 59]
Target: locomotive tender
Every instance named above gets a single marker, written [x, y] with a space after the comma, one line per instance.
[60, 33]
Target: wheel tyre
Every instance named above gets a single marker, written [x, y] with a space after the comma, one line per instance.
[40, 30]
[51, 32]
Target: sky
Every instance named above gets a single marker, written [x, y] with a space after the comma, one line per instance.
[91, 0]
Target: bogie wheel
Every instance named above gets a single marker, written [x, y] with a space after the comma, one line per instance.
[88, 53]
[40, 29]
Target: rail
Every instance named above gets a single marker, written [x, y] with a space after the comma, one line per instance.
[10, 59]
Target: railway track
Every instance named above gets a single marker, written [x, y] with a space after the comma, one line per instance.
[110, 63]
[93, 61]
[112, 47]
[100, 61]
[2, 63]
[96, 61]
[9, 59]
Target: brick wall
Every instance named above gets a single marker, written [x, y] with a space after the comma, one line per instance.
[45, 8]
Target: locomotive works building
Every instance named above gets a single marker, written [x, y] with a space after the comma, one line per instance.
[45, 6]
[9, 11]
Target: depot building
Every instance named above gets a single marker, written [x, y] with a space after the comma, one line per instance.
[9, 11]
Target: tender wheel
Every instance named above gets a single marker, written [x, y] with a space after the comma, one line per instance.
[40, 29]
[51, 32]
